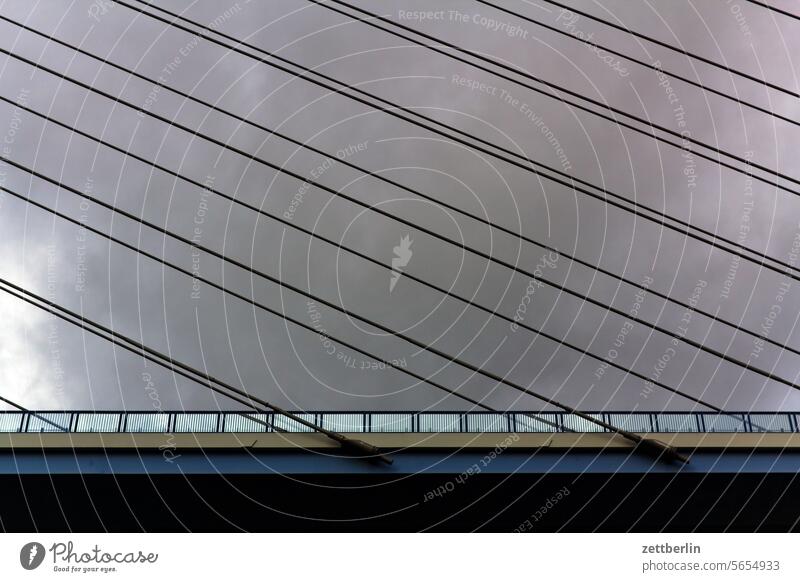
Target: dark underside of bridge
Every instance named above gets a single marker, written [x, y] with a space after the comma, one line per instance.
[364, 502]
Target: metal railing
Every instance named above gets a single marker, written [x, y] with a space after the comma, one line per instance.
[397, 422]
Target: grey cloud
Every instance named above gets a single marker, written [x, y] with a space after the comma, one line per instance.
[290, 366]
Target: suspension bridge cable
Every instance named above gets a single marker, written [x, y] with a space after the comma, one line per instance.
[673, 48]
[685, 138]
[525, 238]
[774, 9]
[206, 380]
[366, 320]
[368, 258]
[584, 298]
[651, 66]
[203, 378]
[392, 111]
[32, 413]
[196, 276]
[384, 213]
[492, 376]
[476, 217]
[606, 272]
[365, 449]
[219, 287]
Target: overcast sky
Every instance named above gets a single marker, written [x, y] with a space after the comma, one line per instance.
[45, 363]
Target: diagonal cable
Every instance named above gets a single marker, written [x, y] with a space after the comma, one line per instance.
[392, 109]
[685, 137]
[384, 179]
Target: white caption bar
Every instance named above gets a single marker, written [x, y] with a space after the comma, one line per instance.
[401, 557]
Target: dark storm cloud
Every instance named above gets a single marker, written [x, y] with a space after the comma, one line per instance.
[52, 365]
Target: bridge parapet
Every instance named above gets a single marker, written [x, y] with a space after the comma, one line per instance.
[393, 422]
